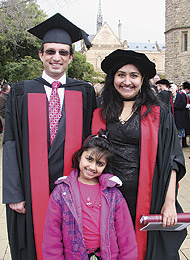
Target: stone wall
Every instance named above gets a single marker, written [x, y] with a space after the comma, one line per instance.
[177, 58]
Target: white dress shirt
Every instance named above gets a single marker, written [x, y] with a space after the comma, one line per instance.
[61, 91]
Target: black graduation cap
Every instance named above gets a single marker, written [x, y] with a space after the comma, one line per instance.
[163, 82]
[58, 29]
[119, 58]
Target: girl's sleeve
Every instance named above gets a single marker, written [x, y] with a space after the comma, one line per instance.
[52, 246]
[125, 233]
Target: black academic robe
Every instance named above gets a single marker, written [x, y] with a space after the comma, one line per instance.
[26, 103]
[165, 244]
[180, 110]
[165, 96]
[160, 153]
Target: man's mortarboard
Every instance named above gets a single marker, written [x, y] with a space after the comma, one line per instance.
[163, 82]
[58, 29]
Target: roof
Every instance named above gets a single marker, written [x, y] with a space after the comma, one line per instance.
[141, 46]
[146, 46]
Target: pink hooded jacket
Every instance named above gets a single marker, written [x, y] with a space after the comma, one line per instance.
[63, 233]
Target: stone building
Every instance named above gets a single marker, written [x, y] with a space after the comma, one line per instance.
[105, 41]
[177, 39]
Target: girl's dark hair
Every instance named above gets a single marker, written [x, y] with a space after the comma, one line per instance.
[112, 103]
[102, 146]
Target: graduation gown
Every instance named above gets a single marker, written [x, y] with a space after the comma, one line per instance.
[180, 110]
[30, 164]
[160, 152]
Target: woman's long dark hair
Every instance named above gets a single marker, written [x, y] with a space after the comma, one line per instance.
[112, 103]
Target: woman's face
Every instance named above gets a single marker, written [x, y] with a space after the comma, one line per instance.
[128, 81]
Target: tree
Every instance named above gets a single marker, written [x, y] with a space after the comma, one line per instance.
[76, 68]
[83, 70]
[57, 4]
[27, 68]
[16, 16]
[19, 49]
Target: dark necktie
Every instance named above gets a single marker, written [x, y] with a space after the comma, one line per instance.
[54, 110]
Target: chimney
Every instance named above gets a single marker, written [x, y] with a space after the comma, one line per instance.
[120, 31]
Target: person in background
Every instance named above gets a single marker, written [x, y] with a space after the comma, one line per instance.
[1, 127]
[87, 216]
[1, 124]
[148, 158]
[98, 89]
[164, 94]
[186, 91]
[154, 80]
[47, 119]
[3, 98]
[174, 89]
[180, 111]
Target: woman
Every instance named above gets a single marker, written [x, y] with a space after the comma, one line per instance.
[148, 159]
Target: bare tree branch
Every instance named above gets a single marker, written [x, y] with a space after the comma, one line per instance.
[4, 4]
[57, 4]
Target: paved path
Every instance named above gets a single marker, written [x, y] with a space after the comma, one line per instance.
[184, 198]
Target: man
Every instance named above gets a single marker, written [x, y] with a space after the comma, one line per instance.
[3, 98]
[186, 91]
[46, 120]
[154, 80]
[164, 94]
[180, 111]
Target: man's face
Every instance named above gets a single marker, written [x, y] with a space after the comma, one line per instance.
[156, 78]
[55, 58]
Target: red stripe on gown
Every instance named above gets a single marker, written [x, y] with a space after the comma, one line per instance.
[38, 153]
[149, 144]
[97, 122]
[74, 127]
[171, 101]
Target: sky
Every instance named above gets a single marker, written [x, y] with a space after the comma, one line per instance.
[142, 20]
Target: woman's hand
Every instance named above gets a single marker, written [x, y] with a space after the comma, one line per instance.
[169, 214]
[169, 209]
[19, 207]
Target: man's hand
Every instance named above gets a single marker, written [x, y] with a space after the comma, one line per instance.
[19, 207]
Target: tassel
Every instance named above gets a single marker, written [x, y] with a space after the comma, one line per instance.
[86, 40]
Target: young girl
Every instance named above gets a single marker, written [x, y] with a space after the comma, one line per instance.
[87, 216]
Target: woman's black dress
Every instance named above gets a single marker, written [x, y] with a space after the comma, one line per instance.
[125, 140]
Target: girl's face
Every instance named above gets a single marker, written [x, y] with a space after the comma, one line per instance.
[91, 166]
[128, 81]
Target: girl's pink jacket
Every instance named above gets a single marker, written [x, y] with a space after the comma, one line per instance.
[63, 233]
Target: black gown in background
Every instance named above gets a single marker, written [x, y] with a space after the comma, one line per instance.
[125, 140]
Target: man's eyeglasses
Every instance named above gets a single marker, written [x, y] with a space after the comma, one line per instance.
[53, 52]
